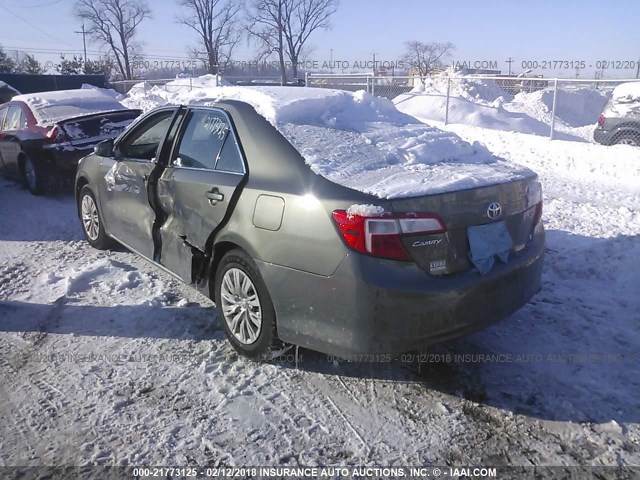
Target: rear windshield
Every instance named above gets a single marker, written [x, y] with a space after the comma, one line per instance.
[107, 125]
[625, 100]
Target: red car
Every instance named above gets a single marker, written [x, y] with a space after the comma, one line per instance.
[44, 135]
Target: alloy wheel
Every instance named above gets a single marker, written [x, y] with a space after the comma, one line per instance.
[628, 141]
[90, 219]
[241, 306]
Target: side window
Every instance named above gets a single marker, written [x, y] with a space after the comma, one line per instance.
[202, 140]
[144, 140]
[15, 119]
[230, 160]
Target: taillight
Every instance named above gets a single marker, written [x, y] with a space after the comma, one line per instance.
[56, 135]
[380, 236]
[601, 120]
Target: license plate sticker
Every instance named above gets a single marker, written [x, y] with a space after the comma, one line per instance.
[437, 266]
[486, 242]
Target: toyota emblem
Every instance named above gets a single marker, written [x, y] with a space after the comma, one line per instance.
[494, 211]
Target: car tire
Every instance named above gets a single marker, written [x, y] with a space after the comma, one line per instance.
[244, 306]
[91, 219]
[627, 138]
[34, 176]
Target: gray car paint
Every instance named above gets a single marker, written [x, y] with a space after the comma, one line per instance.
[617, 123]
[326, 297]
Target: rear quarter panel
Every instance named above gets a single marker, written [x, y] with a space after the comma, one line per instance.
[307, 238]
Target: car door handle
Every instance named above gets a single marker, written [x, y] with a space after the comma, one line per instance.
[214, 196]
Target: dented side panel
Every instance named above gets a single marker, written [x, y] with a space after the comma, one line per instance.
[125, 203]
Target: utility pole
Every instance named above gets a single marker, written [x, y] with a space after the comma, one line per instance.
[374, 64]
[84, 43]
[509, 61]
[638, 69]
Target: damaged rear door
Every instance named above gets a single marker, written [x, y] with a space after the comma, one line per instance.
[196, 190]
[128, 190]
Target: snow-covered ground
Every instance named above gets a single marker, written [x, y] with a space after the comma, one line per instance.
[105, 359]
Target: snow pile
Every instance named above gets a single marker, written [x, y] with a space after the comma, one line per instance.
[472, 101]
[320, 107]
[433, 106]
[358, 140]
[146, 96]
[102, 91]
[473, 89]
[52, 107]
[482, 103]
[575, 108]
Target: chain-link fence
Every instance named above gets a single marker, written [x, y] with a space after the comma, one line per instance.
[170, 85]
[389, 87]
[606, 111]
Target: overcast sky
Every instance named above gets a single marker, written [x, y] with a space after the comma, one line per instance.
[481, 30]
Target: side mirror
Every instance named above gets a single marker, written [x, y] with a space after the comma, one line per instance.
[104, 148]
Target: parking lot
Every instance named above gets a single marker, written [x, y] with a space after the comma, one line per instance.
[107, 360]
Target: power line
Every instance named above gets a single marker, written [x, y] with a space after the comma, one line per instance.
[32, 25]
[98, 53]
[46, 4]
[52, 51]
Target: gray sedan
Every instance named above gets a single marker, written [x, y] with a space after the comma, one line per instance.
[218, 197]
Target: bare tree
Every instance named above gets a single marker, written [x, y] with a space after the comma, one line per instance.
[425, 57]
[301, 19]
[283, 27]
[113, 23]
[266, 25]
[215, 21]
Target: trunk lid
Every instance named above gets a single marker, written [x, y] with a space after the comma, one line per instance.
[448, 252]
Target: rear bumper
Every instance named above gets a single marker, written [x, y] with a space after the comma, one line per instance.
[64, 159]
[602, 136]
[371, 306]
